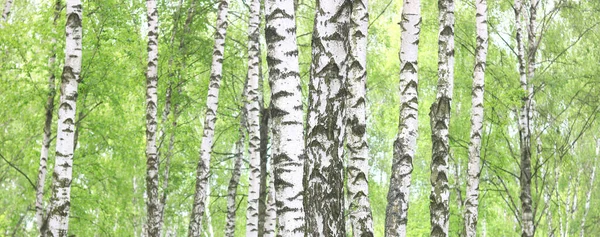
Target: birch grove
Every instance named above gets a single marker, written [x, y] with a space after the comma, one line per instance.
[474, 167]
[210, 118]
[331, 146]
[57, 221]
[405, 146]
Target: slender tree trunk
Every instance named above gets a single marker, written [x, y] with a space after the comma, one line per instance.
[524, 130]
[474, 169]
[153, 204]
[360, 215]
[589, 191]
[406, 141]
[271, 212]
[6, 12]
[209, 232]
[264, 135]
[264, 142]
[253, 113]
[210, 118]
[324, 177]
[235, 180]
[440, 121]
[58, 216]
[287, 147]
[47, 139]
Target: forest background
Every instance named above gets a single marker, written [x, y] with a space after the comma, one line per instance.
[107, 197]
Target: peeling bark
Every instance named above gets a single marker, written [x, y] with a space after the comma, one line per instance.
[210, 118]
[60, 202]
[405, 145]
[440, 122]
[287, 147]
[324, 177]
[474, 169]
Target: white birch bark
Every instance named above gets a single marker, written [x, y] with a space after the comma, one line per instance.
[271, 212]
[287, 146]
[440, 120]
[153, 204]
[234, 181]
[210, 118]
[524, 129]
[208, 232]
[589, 190]
[473, 168]
[6, 12]
[47, 138]
[360, 215]
[253, 113]
[324, 176]
[405, 145]
[237, 168]
[58, 215]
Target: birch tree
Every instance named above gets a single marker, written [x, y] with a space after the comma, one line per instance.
[210, 118]
[360, 215]
[253, 119]
[47, 137]
[152, 204]
[60, 203]
[6, 12]
[271, 212]
[405, 145]
[473, 168]
[287, 145]
[235, 180]
[524, 129]
[440, 122]
[326, 131]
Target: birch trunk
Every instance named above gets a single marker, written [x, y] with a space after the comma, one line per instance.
[324, 178]
[440, 121]
[235, 180]
[210, 118]
[524, 130]
[6, 12]
[270, 214]
[360, 215]
[209, 232]
[287, 146]
[589, 191]
[253, 113]
[405, 145]
[474, 169]
[47, 139]
[58, 215]
[153, 204]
